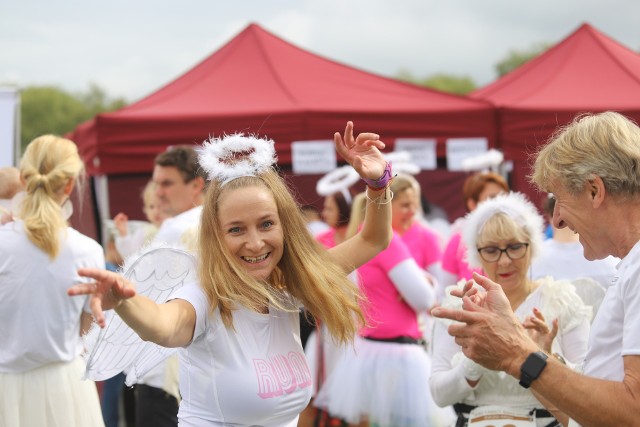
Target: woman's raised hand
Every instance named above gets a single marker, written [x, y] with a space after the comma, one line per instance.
[539, 331]
[121, 221]
[361, 152]
[108, 290]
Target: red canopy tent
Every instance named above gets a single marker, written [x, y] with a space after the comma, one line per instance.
[586, 72]
[259, 83]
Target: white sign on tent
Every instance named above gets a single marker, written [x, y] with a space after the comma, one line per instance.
[423, 151]
[312, 157]
[459, 149]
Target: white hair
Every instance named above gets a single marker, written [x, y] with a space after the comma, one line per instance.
[515, 206]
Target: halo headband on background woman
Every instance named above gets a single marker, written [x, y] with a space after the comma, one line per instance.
[402, 163]
[232, 156]
[517, 207]
[338, 181]
[487, 161]
[341, 179]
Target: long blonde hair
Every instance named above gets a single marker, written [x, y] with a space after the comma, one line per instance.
[306, 270]
[402, 182]
[48, 164]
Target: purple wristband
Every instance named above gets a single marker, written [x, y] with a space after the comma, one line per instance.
[383, 181]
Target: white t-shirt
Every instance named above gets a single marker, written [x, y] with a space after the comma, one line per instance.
[615, 331]
[172, 229]
[39, 322]
[254, 375]
[135, 240]
[5, 206]
[566, 261]
[554, 300]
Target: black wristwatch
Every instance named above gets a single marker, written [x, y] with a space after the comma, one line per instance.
[532, 368]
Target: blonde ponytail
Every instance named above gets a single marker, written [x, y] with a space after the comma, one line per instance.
[48, 165]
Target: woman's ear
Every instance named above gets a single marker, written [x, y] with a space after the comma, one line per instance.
[198, 184]
[68, 187]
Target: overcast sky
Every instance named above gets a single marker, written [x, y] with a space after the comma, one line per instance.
[130, 48]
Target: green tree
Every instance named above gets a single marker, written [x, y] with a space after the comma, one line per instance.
[516, 58]
[460, 85]
[48, 109]
[96, 101]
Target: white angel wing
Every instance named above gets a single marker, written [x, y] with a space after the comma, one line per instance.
[157, 273]
[590, 291]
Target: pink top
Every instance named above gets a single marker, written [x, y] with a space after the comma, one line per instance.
[454, 260]
[327, 238]
[387, 314]
[424, 245]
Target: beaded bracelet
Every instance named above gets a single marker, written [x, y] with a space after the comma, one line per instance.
[381, 200]
[383, 181]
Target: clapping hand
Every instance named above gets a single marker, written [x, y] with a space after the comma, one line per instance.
[488, 295]
[539, 331]
[489, 333]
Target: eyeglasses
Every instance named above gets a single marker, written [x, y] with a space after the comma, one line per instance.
[514, 251]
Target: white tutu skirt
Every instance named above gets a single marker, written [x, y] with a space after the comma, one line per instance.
[54, 395]
[322, 352]
[386, 383]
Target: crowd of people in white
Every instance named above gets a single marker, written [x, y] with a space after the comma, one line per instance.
[361, 314]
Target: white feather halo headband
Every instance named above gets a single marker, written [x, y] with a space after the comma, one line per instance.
[517, 207]
[489, 160]
[233, 156]
[402, 162]
[338, 181]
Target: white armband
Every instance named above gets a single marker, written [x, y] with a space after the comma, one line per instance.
[413, 285]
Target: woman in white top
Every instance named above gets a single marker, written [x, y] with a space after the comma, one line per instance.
[241, 359]
[503, 234]
[40, 364]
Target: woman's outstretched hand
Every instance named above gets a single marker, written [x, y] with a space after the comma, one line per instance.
[107, 291]
[361, 152]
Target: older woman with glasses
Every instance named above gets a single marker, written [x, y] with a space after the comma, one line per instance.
[503, 235]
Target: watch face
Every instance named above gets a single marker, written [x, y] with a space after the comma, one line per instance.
[534, 364]
[532, 367]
